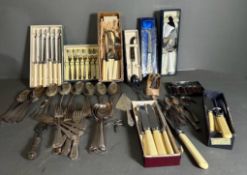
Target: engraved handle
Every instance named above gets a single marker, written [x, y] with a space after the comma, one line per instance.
[94, 146]
[58, 138]
[67, 147]
[33, 152]
[74, 154]
[102, 145]
[201, 162]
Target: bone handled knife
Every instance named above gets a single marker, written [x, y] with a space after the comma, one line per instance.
[197, 156]
[51, 49]
[55, 62]
[42, 56]
[148, 142]
[44, 52]
[38, 57]
[156, 131]
[170, 145]
[47, 55]
[40, 40]
[35, 57]
[59, 61]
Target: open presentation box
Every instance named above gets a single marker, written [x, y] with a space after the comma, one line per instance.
[159, 160]
[111, 66]
[80, 62]
[217, 99]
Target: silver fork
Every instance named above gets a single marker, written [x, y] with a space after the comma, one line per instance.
[58, 138]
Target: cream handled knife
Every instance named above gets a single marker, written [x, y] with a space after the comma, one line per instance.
[222, 123]
[199, 159]
[154, 123]
[149, 143]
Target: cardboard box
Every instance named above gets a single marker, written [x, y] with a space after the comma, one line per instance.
[80, 62]
[46, 53]
[132, 54]
[110, 47]
[159, 160]
[213, 139]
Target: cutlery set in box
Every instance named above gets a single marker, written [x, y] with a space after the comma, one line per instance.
[46, 54]
[80, 62]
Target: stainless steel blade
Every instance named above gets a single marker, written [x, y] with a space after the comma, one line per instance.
[144, 118]
[152, 118]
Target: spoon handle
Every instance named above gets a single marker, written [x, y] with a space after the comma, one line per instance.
[94, 145]
[34, 150]
[74, 153]
[102, 146]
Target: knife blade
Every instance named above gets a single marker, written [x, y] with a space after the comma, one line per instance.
[156, 131]
[149, 143]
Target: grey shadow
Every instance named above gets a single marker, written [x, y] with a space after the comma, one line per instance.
[26, 60]
[8, 66]
[92, 29]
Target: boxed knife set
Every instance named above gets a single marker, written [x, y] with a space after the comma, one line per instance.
[46, 53]
[148, 40]
[220, 132]
[80, 62]
[170, 23]
[158, 144]
[132, 55]
[110, 47]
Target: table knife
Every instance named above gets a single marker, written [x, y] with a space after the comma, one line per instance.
[156, 131]
[199, 159]
[35, 62]
[170, 144]
[50, 66]
[149, 143]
